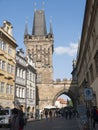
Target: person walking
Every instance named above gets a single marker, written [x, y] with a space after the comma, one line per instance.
[50, 114]
[46, 114]
[21, 120]
[15, 120]
[94, 116]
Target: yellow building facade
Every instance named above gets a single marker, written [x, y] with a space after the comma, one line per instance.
[7, 65]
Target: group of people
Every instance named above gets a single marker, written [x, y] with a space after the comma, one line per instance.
[17, 120]
[64, 112]
[48, 113]
[68, 113]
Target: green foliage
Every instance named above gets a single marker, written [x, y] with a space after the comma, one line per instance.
[69, 103]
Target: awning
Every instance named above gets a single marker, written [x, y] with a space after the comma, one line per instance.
[49, 107]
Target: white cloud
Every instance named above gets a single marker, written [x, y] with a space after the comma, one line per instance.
[70, 50]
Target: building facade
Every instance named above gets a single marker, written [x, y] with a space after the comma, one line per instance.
[25, 83]
[7, 65]
[20, 80]
[30, 86]
[87, 58]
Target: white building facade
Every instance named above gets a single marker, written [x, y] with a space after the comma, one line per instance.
[31, 86]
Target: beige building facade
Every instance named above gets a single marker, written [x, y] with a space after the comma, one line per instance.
[7, 65]
[87, 57]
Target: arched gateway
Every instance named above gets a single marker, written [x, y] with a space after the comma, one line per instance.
[40, 45]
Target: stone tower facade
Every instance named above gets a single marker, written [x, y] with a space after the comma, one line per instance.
[40, 45]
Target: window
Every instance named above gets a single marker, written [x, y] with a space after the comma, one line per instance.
[31, 93]
[11, 89]
[21, 71]
[17, 71]
[17, 91]
[9, 51]
[7, 88]
[0, 64]
[12, 69]
[4, 46]
[23, 94]
[3, 65]
[24, 74]
[27, 92]
[28, 75]
[2, 87]
[1, 44]
[9, 68]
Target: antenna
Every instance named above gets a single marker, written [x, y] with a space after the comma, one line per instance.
[51, 31]
[51, 19]
[26, 19]
[26, 26]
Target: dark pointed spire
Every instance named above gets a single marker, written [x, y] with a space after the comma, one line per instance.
[39, 23]
[26, 28]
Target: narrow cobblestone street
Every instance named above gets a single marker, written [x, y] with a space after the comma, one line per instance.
[51, 124]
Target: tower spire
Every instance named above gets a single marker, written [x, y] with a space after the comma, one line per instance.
[51, 30]
[35, 6]
[26, 27]
[39, 23]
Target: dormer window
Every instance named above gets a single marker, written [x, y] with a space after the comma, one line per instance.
[7, 27]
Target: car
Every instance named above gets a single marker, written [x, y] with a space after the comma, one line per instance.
[5, 117]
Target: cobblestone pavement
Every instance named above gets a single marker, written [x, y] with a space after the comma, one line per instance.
[51, 124]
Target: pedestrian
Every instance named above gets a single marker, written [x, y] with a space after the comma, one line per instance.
[21, 120]
[15, 120]
[50, 114]
[70, 114]
[94, 116]
[46, 114]
[66, 113]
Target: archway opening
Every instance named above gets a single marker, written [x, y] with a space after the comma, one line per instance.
[63, 100]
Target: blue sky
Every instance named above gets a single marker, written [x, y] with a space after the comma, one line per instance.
[67, 19]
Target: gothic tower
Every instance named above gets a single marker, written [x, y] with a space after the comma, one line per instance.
[40, 45]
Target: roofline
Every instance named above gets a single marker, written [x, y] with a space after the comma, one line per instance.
[10, 37]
